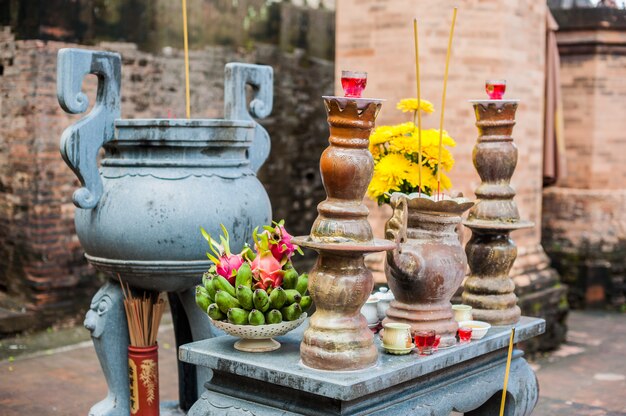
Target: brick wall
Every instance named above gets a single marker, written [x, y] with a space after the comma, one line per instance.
[41, 261]
[584, 220]
[493, 39]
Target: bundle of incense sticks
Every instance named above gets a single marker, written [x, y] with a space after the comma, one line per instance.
[143, 315]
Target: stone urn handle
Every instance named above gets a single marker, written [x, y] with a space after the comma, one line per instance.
[402, 262]
[81, 142]
[261, 79]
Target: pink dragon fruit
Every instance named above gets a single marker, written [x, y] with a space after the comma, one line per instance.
[279, 242]
[266, 271]
[228, 265]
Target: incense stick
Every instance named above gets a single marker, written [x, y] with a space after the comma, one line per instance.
[443, 101]
[418, 113]
[506, 372]
[186, 42]
[143, 316]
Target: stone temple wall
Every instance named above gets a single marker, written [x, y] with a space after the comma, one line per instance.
[493, 39]
[43, 275]
[584, 220]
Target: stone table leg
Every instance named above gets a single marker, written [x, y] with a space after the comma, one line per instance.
[106, 320]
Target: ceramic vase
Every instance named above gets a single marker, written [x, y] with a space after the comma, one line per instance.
[429, 264]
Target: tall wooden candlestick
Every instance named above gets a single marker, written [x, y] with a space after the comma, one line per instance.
[338, 337]
[490, 251]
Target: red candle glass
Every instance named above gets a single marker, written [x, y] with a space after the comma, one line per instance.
[436, 344]
[424, 341]
[465, 335]
[495, 88]
[353, 83]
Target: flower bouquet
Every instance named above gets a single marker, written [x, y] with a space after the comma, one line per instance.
[400, 165]
[255, 294]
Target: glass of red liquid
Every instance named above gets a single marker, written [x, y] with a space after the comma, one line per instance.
[495, 88]
[353, 83]
[436, 344]
[465, 335]
[424, 341]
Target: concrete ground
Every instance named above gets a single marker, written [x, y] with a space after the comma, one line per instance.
[586, 377]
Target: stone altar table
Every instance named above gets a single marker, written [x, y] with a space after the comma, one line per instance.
[465, 378]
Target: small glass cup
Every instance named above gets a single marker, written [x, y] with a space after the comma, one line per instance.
[495, 88]
[465, 335]
[437, 342]
[353, 83]
[424, 341]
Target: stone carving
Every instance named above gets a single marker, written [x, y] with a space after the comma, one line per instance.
[261, 79]
[472, 390]
[98, 126]
[107, 323]
[159, 181]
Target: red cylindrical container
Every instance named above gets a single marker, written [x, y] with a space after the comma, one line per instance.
[143, 375]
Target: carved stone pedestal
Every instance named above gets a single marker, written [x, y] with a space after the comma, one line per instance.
[467, 378]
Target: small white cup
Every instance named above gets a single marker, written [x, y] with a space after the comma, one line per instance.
[397, 335]
[370, 311]
[462, 312]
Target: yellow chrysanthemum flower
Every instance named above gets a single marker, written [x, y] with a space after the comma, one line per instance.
[428, 178]
[410, 104]
[389, 173]
[396, 154]
[381, 135]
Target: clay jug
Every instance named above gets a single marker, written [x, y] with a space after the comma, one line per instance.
[429, 265]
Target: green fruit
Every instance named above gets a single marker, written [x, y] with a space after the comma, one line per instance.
[244, 296]
[277, 298]
[291, 312]
[225, 301]
[210, 287]
[290, 279]
[256, 317]
[202, 298]
[303, 283]
[215, 313]
[206, 276]
[305, 303]
[237, 316]
[261, 300]
[244, 276]
[221, 283]
[273, 317]
[293, 296]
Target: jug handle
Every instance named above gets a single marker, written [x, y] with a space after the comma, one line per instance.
[81, 142]
[261, 79]
[395, 228]
[403, 263]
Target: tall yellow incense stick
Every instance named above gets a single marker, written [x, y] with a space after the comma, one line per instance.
[506, 372]
[418, 113]
[185, 35]
[443, 101]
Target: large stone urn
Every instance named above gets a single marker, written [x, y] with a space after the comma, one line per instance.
[429, 264]
[139, 213]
